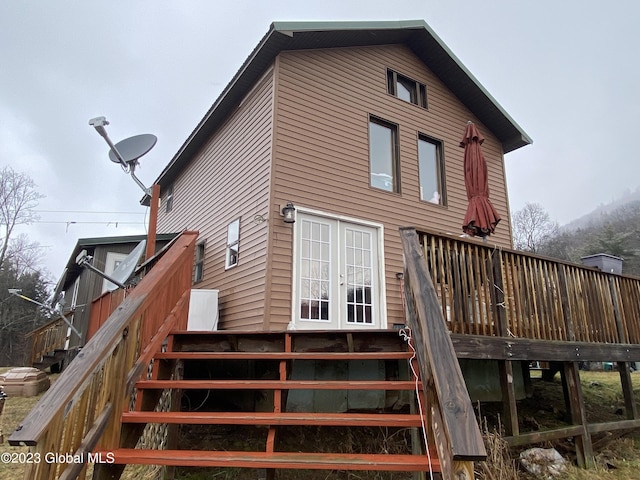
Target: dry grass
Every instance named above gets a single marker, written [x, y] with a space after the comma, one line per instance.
[617, 454]
[499, 464]
[15, 409]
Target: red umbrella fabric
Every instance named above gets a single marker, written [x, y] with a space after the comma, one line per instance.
[481, 217]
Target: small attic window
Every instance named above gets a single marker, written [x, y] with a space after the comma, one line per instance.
[406, 88]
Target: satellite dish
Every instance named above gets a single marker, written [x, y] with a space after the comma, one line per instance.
[132, 148]
[124, 271]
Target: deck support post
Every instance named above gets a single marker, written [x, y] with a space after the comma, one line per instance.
[508, 398]
[627, 390]
[584, 447]
[463, 471]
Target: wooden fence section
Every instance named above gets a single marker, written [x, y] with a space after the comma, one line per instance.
[490, 291]
[82, 410]
[451, 424]
[44, 340]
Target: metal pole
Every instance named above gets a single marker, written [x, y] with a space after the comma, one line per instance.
[51, 310]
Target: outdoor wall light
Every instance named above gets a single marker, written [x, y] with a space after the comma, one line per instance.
[289, 213]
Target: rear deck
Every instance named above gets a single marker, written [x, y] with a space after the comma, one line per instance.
[510, 306]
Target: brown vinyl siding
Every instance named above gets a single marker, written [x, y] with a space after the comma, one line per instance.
[226, 180]
[325, 99]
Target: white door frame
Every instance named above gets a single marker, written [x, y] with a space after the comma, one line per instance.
[381, 322]
[110, 266]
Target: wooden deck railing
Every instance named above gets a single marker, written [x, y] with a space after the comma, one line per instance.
[452, 425]
[45, 339]
[491, 291]
[83, 407]
[101, 308]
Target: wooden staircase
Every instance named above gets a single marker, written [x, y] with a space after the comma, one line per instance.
[53, 359]
[269, 390]
[140, 361]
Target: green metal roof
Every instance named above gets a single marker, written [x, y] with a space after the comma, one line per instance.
[92, 242]
[416, 34]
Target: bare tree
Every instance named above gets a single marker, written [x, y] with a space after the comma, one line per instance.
[18, 198]
[532, 227]
[25, 256]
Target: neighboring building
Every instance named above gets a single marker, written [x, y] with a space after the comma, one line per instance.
[358, 125]
[79, 286]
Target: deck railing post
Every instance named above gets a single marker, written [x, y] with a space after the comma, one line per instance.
[497, 294]
[622, 332]
[566, 305]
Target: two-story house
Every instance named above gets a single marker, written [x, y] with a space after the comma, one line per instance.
[357, 127]
[329, 138]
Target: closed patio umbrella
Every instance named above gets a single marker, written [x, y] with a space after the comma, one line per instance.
[481, 217]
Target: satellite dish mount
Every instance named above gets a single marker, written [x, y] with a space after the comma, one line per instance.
[122, 274]
[128, 151]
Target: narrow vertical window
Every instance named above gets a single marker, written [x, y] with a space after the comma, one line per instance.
[198, 271]
[168, 199]
[431, 170]
[233, 243]
[383, 155]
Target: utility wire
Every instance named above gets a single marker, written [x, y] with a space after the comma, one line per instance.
[114, 222]
[89, 211]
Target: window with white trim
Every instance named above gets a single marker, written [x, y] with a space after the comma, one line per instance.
[233, 243]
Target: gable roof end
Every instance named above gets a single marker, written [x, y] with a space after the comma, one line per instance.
[416, 34]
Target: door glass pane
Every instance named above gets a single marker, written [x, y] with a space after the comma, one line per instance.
[358, 259]
[315, 271]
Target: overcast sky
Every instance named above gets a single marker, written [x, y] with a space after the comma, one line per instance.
[566, 71]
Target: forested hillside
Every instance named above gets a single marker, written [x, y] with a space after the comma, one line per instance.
[615, 232]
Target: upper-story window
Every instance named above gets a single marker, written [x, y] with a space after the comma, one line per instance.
[431, 170]
[168, 199]
[406, 88]
[383, 155]
[233, 244]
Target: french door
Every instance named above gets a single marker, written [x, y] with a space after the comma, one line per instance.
[337, 272]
